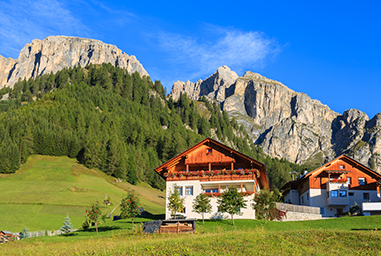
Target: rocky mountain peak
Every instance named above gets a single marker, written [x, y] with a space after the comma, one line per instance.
[288, 124]
[57, 52]
[213, 87]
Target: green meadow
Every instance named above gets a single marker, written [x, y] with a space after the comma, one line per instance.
[46, 189]
[340, 236]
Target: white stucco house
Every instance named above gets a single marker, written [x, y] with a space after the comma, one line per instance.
[211, 167]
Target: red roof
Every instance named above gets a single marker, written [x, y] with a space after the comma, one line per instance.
[160, 168]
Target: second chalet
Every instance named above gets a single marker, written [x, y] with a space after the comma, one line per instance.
[335, 187]
[211, 167]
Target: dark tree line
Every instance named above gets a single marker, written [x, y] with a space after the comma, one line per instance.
[108, 119]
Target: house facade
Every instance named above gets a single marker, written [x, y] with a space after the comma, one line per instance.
[211, 167]
[335, 187]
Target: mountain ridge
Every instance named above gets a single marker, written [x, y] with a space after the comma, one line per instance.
[289, 124]
[285, 123]
[57, 52]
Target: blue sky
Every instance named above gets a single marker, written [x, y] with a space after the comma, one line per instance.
[329, 50]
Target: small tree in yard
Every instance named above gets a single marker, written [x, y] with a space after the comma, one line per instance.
[130, 206]
[176, 202]
[93, 214]
[231, 202]
[24, 233]
[201, 205]
[66, 228]
[264, 203]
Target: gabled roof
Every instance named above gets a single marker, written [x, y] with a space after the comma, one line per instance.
[176, 159]
[345, 158]
[322, 168]
[210, 140]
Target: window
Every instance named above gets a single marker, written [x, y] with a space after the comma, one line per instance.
[214, 190]
[366, 197]
[361, 181]
[334, 193]
[189, 191]
[342, 167]
[351, 194]
[301, 200]
[308, 197]
[349, 180]
[180, 189]
[322, 210]
[343, 193]
[183, 210]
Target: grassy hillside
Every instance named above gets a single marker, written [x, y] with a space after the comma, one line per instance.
[341, 236]
[46, 188]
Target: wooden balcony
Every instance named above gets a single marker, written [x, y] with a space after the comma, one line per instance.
[214, 175]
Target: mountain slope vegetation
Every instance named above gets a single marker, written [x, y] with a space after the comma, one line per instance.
[47, 188]
[121, 124]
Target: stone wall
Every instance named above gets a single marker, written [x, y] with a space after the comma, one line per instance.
[299, 212]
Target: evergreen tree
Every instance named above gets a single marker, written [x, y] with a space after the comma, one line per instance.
[24, 234]
[66, 228]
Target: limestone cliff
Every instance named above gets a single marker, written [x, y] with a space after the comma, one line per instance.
[288, 124]
[57, 52]
[213, 87]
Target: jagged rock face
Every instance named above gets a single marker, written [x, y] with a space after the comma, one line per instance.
[288, 124]
[373, 137]
[360, 138]
[57, 52]
[213, 87]
[6, 65]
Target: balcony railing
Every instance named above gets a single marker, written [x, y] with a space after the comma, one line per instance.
[333, 185]
[338, 200]
[214, 174]
[217, 194]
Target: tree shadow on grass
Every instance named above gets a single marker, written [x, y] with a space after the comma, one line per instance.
[70, 234]
[100, 229]
[154, 216]
[366, 229]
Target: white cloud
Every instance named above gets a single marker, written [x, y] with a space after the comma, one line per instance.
[234, 48]
[24, 20]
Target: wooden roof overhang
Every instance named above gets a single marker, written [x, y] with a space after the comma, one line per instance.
[207, 141]
[343, 157]
[337, 171]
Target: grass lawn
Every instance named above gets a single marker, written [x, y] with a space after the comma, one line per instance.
[342, 236]
[46, 188]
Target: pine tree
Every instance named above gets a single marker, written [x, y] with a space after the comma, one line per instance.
[24, 233]
[66, 228]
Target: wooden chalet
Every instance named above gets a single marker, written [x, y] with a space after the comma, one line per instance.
[210, 167]
[7, 236]
[335, 186]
